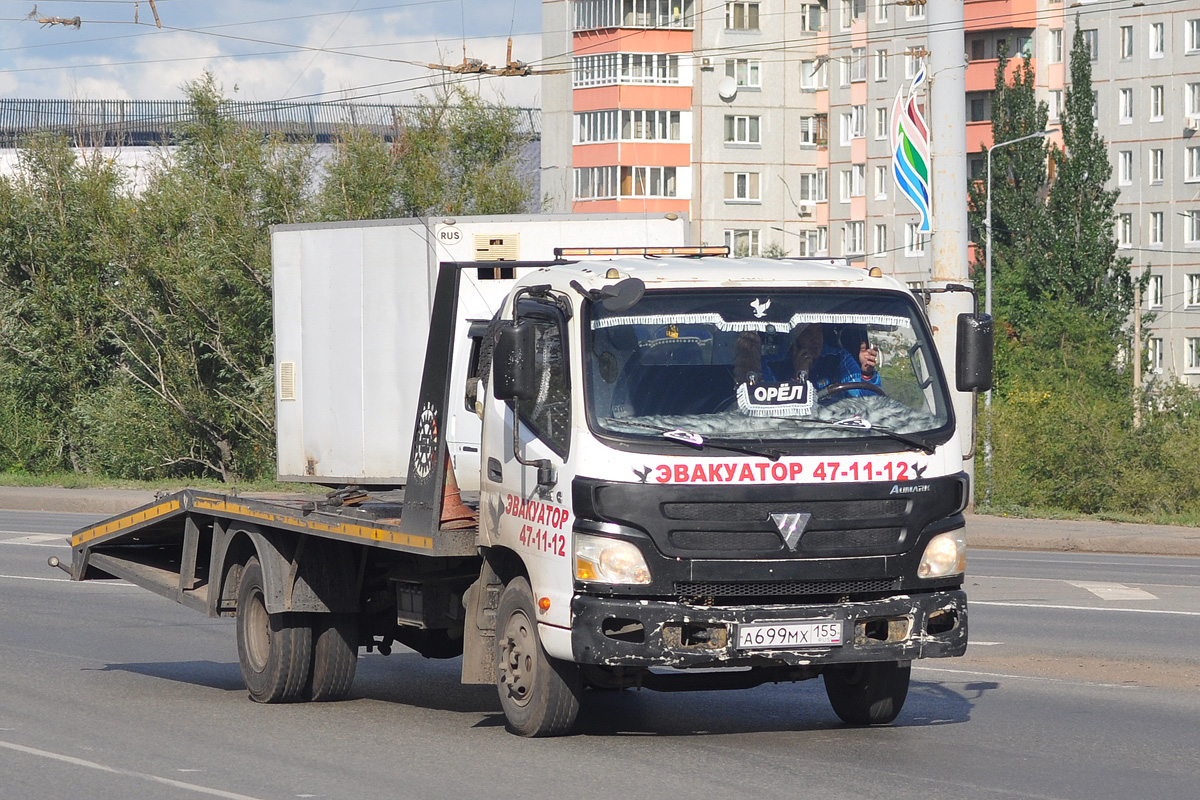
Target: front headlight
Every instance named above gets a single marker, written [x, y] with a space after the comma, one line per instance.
[609, 561]
[946, 554]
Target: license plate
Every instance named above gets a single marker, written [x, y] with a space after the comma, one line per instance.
[789, 635]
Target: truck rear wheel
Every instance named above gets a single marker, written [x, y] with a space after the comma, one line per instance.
[335, 656]
[867, 694]
[539, 694]
[274, 650]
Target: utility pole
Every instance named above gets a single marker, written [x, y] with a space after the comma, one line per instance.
[1137, 354]
[947, 115]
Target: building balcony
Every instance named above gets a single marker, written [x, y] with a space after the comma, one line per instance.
[981, 74]
[990, 15]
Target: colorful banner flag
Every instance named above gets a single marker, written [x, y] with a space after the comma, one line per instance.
[910, 150]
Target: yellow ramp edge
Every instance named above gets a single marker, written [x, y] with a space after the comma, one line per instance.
[125, 522]
[351, 529]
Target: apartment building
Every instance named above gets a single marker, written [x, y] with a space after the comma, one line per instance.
[769, 124]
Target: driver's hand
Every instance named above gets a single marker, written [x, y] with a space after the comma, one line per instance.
[868, 359]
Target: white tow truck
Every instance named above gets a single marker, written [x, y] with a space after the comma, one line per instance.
[669, 495]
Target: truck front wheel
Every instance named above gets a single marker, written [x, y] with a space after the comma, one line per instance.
[867, 694]
[274, 650]
[539, 694]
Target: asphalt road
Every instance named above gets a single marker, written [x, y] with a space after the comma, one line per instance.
[1080, 683]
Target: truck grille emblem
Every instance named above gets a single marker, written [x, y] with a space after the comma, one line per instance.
[791, 527]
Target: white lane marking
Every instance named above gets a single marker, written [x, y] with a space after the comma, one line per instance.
[79, 762]
[978, 674]
[35, 538]
[984, 644]
[1086, 608]
[1113, 591]
[1060, 580]
[65, 580]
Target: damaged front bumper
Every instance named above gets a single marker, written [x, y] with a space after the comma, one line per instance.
[623, 632]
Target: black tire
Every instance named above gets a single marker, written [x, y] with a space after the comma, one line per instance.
[539, 694]
[274, 650]
[335, 657]
[867, 694]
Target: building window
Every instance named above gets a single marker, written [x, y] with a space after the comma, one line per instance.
[812, 18]
[858, 180]
[744, 70]
[1091, 42]
[853, 124]
[1156, 165]
[881, 182]
[650, 126]
[1193, 100]
[1192, 347]
[1054, 104]
[881, 65]
[613, 68]
[1191, 227]
[1192, 159]
[1157, 39]
[852, 239]
[914, 240]
[1056, 46]
[818, 240]
[858, 64]
[1125, 106]
[1156, 355]
[593, 14]
[595, 183]
[823, 189]
[977, 107]
[1125, 167]
[880, 241]
[648, 182]
[977, 50]
[1125, 230]
[1193, 35]
[852, 11]
[881, 10]
[814, 130]
[1156, 103]
[1192, 298]
[595, 126]
[742, 130]
[742, 242]
[881, 123]
[742, 187]
[1126, 41]
[912, 62]
[1154, 291]
[914, 11]
[808, 187]
[846, 186]
[813, 75]
[1156, 228]
[741, 16]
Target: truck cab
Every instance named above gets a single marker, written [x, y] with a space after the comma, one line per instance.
[687, 467]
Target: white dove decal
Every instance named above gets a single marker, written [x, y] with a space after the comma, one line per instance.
[760, 308]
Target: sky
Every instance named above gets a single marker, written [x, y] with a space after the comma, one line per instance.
[302, 50]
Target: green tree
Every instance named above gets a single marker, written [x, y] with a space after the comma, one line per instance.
[194, 306]
[59, 215]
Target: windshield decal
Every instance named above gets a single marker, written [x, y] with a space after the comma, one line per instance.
[760, 308]
[719, 322]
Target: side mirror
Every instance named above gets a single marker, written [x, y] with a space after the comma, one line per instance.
[512, 363]
[973, 357]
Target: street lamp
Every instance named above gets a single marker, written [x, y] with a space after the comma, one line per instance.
[987, 298]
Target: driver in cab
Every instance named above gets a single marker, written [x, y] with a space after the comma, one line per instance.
[809, 357]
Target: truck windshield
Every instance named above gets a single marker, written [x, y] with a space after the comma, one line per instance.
[776, 366]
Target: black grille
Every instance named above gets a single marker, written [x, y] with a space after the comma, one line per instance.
[691, 589]
[824, 510]
[732, 541]
[864, 538]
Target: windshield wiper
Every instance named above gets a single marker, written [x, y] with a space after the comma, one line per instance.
[860, 424]
[700, 441]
